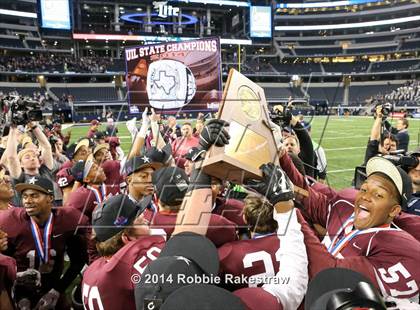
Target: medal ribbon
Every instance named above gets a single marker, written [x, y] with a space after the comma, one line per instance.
[338, 244]
[42, 243]
[99, 195]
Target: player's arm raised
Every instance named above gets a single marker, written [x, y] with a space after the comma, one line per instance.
[292, 277]
[157, 137]
[195, 214]
[13, 164]
[138, 142]
[46, 150]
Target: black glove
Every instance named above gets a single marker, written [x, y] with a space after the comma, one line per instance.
[214, 133]
[275, 184]
[48, 301]
[29, 278]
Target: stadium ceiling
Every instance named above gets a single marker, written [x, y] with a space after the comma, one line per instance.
[138, 38]
[216, 2]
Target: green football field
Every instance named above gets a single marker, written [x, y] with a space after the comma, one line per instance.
[343, 139]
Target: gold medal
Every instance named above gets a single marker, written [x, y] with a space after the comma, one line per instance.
[250, 103]
[46, 268]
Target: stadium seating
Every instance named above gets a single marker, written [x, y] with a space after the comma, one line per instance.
[298, 68]
[403, 64]
[24, 91]
[351, 67]
[87, 94]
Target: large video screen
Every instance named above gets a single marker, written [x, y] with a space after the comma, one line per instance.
[261, 21]
[55, 14]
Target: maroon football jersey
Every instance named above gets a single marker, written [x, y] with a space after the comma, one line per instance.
[220, 230]
[256, 298]
[113, 176]
[86, 199]
[65, 236]
[254, 258]
[109, 283]
[379, 253]
[231, 209]
[7, 272]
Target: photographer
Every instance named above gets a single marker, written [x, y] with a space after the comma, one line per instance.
[401, 133]
[379, 144]
[413, 205]
[299, 144]
[22, 164]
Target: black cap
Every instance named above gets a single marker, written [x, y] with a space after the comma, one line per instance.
[334, 287]
[81, 169]
[195, 247]
[37, 183]
[203, 296]
[193, 153]
[185, 256]
[160, 155]
[397, 175]
[70, 151]
[113, 216]
[99, 135]
[140, 162]
[171, 185]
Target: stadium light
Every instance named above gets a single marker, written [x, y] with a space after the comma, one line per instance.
[117, 37]
[17, 13]
[323, 4]
[216, 2]
[346, 26]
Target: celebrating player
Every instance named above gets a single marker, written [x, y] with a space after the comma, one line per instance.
[38, 239]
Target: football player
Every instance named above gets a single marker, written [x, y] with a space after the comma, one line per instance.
[7, 276]
[93, 191]
[38, 237]
[362, 236]
[171, 184]
[76, 152]
[127, 244]
[6, 190]
[275, 257]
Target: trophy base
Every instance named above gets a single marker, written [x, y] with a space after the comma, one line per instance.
[227, 168]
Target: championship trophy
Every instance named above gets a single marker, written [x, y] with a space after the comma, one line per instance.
[252, 142]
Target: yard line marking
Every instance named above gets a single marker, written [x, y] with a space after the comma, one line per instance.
[358, 147]
[340, 170]
[346, 148]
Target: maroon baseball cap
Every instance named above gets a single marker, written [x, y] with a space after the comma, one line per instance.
[64, 178]
[95, 122]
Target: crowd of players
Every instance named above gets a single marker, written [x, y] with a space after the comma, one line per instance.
[131, 224]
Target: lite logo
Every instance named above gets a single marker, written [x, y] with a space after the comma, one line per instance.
[165, 10]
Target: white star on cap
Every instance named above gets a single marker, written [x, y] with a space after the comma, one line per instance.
[186, 260]
[32, 180]
[146, 159]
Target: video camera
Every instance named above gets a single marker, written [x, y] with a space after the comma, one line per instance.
[387, 108]
[406, 162]
[280, 118]
[21, 110]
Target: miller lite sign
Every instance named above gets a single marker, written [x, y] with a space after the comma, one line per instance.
[164, 10]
